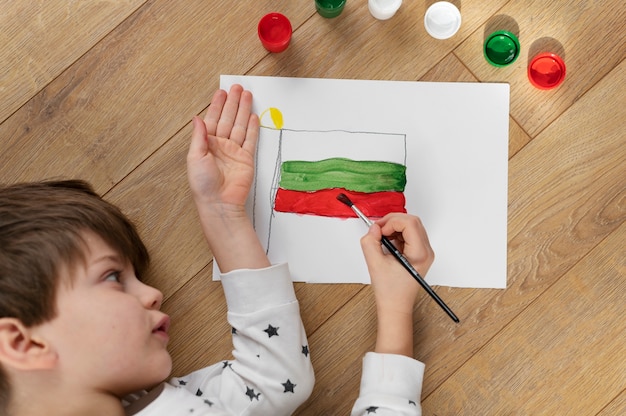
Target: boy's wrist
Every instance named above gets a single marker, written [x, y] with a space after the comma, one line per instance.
[390, 315]
[231, 237]
[216, 210]
[395, 331]
[395, 308]
[222, 225]
[223, 221]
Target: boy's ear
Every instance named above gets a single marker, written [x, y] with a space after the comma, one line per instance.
[23, 350]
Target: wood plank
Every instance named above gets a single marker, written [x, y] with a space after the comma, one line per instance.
[579, 357]
[32, 33]
[616, 407]
[592, 36]
[133, 91]
[357, 46]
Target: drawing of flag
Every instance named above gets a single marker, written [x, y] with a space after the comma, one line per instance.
[311, 187]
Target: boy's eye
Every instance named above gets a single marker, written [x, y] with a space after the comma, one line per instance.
[113, 277]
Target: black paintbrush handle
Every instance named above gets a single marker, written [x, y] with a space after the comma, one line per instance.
[407, 265]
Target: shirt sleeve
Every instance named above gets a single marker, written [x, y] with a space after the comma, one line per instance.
[271, 373]
[390, 385]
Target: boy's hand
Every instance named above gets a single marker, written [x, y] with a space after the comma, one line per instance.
[220, 169]
[220, 161]
[395, 290]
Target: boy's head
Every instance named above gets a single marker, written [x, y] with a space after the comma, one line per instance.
[70, 300]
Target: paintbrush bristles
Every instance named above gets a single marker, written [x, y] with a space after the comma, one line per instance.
[343, 198]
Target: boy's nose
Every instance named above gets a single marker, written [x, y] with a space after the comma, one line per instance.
[151, 297]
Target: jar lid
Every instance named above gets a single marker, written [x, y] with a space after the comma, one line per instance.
[501, 48]
[442, 20]
[546, 71]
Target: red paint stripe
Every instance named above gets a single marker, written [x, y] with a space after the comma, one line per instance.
[324, 202]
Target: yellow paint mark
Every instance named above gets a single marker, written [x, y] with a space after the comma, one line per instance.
[275, 115]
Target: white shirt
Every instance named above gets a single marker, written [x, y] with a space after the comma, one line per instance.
[271, 373]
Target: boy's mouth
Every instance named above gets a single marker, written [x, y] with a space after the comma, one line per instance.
[163, 326]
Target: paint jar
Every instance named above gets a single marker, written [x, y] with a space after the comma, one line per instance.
[274, 31]
[546, 71]
[442, 20]
[383, 9]
[501, 48]
[330, 8]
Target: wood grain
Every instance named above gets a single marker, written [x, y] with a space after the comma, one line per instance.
[40, 39]
[578, 358]
[111, 110]
[616, 407]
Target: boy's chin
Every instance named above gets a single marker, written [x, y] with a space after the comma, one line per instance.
[155, 379]
[167, 369]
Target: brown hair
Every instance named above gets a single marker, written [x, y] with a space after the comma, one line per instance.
[41, 227]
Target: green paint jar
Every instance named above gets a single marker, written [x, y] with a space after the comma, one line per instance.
[330, 8]
[501, 48]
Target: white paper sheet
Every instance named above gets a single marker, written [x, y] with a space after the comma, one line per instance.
[452, 138]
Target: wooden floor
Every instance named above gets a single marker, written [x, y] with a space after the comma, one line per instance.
[105, 91]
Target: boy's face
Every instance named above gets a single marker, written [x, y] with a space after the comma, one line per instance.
[109, 334]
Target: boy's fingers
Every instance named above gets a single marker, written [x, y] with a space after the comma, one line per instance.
[213, 114]
[240, 127]
[408, 226]
[416, 245]
[370, 243]
[198, 146]
[252, 134]
[229, 112]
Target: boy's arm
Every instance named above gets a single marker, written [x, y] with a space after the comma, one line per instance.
[391, 381]
[220, 167]
[272, 372]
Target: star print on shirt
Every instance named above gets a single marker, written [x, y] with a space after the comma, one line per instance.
[182, 382]
[305, 350]
[412, 402]
[288, 386]
[233, 330]
[199, 392]
[209, 402]
[271, 331]
[371, 409]
[251, 395]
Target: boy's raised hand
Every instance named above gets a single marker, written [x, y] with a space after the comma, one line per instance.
[220, 169]
[220, 161]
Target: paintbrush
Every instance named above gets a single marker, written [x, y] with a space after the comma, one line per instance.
[400, 257]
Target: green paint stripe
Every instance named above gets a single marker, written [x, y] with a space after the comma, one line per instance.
[359, 176]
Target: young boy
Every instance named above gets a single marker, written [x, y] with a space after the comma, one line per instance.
[79, 331]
